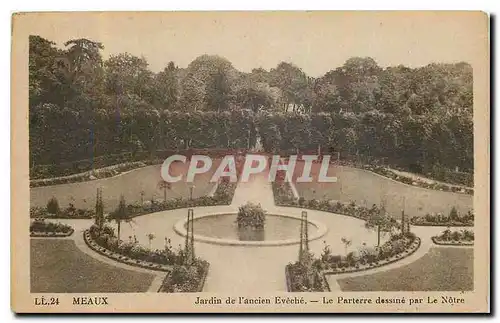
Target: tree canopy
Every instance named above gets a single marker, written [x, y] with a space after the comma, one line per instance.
[83, 105]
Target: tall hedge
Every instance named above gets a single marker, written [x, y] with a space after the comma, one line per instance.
[59, 135]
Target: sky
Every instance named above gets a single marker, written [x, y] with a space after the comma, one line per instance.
[317, 42]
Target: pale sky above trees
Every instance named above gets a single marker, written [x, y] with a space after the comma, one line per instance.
[316, 42]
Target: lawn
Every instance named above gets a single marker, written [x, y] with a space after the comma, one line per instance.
[366, 189]
[442, 269]
[130, 184]
[58, 266]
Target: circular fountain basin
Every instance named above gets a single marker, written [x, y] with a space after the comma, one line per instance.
[222, 229]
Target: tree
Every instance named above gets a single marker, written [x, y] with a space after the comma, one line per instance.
[53, 206]
[293, 82]
[218, 91]
[83, 54]
[454, 214]
[99, 210]
[255, 96]
[207, 83]
[119, 215]
[81, 66]
[150, 238]
[379, 219]
[353, 87]
[42, 71]
[346, 242]
[164, 185]
[326, 94]
[81, 108]
[129, 81]
[166, 88]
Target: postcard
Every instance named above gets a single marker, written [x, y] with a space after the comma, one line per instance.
[295, 161]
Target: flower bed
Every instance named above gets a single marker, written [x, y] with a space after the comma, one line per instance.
[454, 219]
[302, 278]
[418, 182]
[167, 260]
[223, 196]
[42, 228]
[383, 258]
[454, 238]
[41, 234]
[68, 213]
[120, 257]
[184, 279]
[105, 172]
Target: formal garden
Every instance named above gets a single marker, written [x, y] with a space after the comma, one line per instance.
[399, 217]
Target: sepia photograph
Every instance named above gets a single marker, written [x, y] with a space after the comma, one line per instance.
[251, 159]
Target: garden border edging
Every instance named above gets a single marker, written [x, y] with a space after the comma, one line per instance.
[119, 257]
[324, 273]
[406, 253]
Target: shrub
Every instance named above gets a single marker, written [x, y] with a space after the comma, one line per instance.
[455, 236]
[179, 274]
[184, 278]
[251, 215]
[40, 225]
[454, 214]
[453, 219]
[468, 235]
[125, 248]
[106, 229]
[304, 278]
[138, 252]
[53, 206]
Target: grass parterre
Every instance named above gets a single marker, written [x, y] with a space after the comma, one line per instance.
[181, 278]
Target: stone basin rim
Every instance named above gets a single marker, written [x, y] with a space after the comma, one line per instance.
[179, 228]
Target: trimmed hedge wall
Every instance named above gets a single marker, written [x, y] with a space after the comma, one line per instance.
[142, 135]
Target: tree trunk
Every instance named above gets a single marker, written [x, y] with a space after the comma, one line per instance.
[378, 236]
[403, 222]
[119, 227]
[165, 194]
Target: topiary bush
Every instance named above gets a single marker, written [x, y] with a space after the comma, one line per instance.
[53, 206]
[251, 216]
